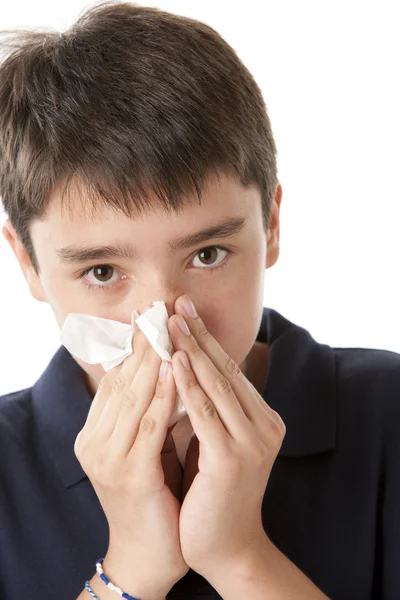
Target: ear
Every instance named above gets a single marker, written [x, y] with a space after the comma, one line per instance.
[273, 231]
[33, 280]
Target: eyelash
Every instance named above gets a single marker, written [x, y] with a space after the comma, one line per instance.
[210, 270]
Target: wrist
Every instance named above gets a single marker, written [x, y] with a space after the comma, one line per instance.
[246, 565]
[130, 577]
[104, 593]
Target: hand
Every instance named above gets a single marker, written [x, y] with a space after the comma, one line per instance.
[239, 438]
[120, 448]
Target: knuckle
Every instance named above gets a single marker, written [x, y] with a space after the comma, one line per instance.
[195, 348]
[160, 391]
[202, 329]
[79, 445]
[103, 384]
[106, 382]
[83, 451]
[278, 424]
[222, 384]
[232, 367]
[119, 383]
[148, 425]
[192, 383]
[130, 398]
[275, 427]
[208, 409]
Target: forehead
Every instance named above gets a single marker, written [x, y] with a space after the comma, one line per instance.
[221, 198]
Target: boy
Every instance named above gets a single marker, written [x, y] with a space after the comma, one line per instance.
[136, 143]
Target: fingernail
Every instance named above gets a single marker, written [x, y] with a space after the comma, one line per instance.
[180, 321]
[184, 359]
[188, 307]
[164, 370]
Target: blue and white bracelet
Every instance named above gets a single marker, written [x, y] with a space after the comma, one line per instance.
[108, 583]
[89, 589]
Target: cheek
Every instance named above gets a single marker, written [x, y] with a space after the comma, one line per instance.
[63, 299]
[233, 319]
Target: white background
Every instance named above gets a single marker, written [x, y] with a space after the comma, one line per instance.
[329, 75]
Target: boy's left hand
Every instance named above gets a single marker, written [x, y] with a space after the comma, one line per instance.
[239, 439]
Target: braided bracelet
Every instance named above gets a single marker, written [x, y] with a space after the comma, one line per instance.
[108, 583]
[89, 589]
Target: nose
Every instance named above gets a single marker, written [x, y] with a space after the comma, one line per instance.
[168, 298]
[159, 282]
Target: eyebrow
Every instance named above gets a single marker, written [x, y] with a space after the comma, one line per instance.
[77, 253]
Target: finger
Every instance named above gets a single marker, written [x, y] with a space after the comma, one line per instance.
[215, 385]
[208, 423]
[253, 405]
[103, 391]
[105, 386]
[149, 441]
[134, 402]
[114, 397]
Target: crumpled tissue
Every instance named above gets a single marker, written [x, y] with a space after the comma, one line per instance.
[96, 340]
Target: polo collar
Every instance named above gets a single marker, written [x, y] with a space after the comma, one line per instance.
[61, 404]
[300, 385]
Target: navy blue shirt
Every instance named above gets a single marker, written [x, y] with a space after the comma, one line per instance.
[332, 504]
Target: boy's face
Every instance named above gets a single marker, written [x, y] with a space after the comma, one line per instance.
[224, 276]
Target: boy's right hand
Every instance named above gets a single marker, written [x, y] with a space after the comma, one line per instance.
[119, 449]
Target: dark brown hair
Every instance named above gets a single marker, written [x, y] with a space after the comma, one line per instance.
[130, 99]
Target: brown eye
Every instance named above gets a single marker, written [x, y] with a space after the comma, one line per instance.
[208, 255]
[100, 273]
[98, 277]
[211, 256]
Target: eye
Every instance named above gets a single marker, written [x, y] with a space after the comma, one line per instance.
[211, 257]
[101, 275]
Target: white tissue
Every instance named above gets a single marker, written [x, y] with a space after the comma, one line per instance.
[103, 341]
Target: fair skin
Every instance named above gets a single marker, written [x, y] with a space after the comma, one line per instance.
[228, 448]
[223, 296]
